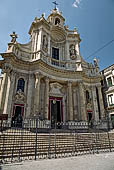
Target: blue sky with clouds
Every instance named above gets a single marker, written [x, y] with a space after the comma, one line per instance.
[94, 20]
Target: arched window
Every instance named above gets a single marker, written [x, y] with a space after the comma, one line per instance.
[57, 21]
[21, 84]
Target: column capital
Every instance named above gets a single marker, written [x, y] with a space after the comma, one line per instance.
[37, 75]
[31, 76]
[69, 83]
[47, 79]
[74, 90]
[99, 86]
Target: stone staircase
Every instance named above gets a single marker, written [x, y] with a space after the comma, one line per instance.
[21, 144]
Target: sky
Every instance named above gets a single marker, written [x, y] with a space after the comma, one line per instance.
[94, 20]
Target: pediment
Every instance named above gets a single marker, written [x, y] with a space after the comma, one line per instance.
[55, 88]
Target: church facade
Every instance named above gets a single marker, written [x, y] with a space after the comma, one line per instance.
[48, 77]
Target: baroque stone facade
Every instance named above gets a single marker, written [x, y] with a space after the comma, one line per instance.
[48, 76]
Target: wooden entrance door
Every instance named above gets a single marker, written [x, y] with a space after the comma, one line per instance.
[55, 110]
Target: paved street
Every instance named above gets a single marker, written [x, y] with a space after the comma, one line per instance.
[89, 162]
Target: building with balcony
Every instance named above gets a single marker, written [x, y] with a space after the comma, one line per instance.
[48, 77]
[108, 91]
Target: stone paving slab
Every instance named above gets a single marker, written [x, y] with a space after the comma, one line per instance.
[103, 161]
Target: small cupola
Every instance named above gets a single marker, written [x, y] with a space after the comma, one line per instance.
[56, 18]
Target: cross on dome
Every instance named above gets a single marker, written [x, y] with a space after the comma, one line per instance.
[55, 3]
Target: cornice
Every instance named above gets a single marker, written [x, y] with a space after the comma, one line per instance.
[72, 35]
[49, 69]
[39, 22]
[56, 14]
[93, 79]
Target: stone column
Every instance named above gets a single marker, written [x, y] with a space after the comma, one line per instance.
[67, 51]
[37, 94]
[46, 97]
[7, 95]
[70, 102]
[77, 48]
[29, 94]
[95, 104]
[35, 44]
[39, 47]
[0, 83]
[10, 92]
[37, 41]
[82, 102]
[49, 45]
[75, 105]
[3, 91]
[101, 102]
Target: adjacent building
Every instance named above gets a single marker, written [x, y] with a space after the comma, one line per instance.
[48, 77]
[108, 91]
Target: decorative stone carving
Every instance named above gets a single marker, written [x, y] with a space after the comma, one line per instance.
[72, 51]
[89, 106]
[6, 69]
[45, 43]
[55, 88]
[20, 96]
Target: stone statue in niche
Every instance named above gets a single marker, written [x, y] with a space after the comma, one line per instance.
[20, 96]
[72, 52]
[45, 42]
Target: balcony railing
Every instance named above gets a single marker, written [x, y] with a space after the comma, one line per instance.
[32, 56]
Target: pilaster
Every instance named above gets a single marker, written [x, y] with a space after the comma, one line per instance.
[37, 94]
[29, 94]
[46, 97]
[4, 90]
[8, 103]
[75, 105]
[70, 101]
[39, 40]
[95, 104]
[49, 45]
[67, 51]
[101, 102]
[82, 102]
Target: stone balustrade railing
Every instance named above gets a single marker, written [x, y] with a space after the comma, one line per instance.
[58, 63]
[66, 65]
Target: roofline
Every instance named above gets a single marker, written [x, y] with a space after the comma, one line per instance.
[107, 67]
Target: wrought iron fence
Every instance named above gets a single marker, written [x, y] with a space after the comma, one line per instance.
[36, 139]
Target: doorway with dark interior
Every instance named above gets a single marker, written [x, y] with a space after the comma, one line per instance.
[89, 118]
[17, 118]
[55, 113]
